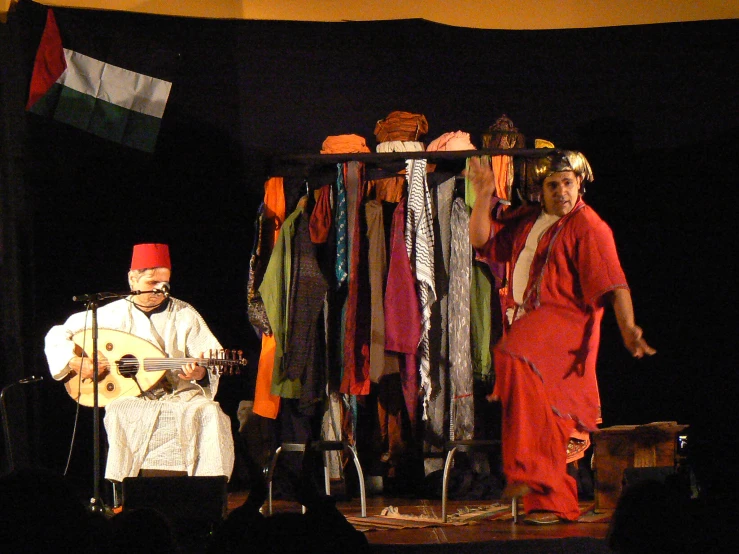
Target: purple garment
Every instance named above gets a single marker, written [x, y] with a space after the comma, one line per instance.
[402, 313]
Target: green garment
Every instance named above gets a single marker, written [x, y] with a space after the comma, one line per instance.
[275, 291]
[481, 296]
[481, 293]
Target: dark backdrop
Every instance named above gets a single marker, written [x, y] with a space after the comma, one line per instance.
[654, 108]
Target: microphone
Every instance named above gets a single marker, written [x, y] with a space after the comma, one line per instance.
[164, 289]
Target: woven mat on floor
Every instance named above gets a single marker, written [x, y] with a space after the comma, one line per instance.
[391, 518]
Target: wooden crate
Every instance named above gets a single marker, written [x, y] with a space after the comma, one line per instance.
[630, 446]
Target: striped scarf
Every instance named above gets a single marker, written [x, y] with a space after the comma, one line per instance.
[419, 241]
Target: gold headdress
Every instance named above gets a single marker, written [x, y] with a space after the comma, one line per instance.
[559, 160]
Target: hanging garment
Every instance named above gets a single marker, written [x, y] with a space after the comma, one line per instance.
[460, 356]
[357, 317]
[437, 430]
[342, 241]
[481, 293]
[302, 360]
[390, 419]
[419, 241]
[381, 361]
[320, 218]
[503, 135]
[392, 189]
[275, 291]
[267, 404]
[403, 327]
[257, 264]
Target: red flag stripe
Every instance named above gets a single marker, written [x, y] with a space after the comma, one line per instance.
[49, 63]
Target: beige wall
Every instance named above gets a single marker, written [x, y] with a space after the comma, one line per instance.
[488, 14]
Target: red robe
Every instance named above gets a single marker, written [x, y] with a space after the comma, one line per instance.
[545, 362]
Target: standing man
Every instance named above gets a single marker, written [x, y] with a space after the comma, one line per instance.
[564, 270]
[174, 427]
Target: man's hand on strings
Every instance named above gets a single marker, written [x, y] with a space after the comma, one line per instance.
[83, 365]
[192, 371]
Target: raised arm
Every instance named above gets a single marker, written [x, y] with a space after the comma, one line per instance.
[482, 178]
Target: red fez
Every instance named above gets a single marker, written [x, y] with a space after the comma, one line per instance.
[147, 256]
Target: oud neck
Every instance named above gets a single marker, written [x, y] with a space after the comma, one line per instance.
[159, 364]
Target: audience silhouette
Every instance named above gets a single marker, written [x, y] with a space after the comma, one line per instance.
[40, 512]
[322, 528]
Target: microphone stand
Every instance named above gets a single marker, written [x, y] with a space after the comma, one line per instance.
[92, 300]
[96, 503]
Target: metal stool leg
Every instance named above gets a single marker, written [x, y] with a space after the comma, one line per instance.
[270, 476]
[326, 472]
[445, 482]
[362, 493]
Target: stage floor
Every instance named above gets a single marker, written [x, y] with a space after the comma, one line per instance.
[473, 526]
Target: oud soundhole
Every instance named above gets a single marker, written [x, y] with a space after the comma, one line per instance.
[128, 366]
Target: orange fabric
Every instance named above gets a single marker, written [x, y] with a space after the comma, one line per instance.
[274, 201]
[401, 126]
[501, 167]
[388, 189]
[344, 144]
[448, 142]
[267, 404]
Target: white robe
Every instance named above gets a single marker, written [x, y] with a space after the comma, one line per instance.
[184, 430]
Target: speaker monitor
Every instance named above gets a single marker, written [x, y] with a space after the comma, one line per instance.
[180, 499]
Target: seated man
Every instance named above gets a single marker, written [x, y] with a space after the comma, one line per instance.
[174, 427]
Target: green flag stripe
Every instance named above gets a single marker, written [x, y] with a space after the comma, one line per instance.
[107, 120]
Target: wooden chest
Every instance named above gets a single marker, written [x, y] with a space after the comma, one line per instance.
[618, 448]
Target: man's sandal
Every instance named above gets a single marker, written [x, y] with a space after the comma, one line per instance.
[542, 518]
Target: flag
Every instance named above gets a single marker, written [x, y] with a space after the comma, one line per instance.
[104, 99]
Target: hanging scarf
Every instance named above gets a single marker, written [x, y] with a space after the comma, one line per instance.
[419, 242]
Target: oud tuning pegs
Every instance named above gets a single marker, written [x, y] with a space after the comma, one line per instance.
[235, 356]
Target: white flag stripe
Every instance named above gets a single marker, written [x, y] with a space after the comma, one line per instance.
[122, 87]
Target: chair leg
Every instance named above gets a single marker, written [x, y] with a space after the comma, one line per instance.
[326, 472]
[445, 482]
[270, 476]
[362, 492]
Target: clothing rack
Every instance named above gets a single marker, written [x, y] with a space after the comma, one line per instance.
[305, 164]
[321, 159]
